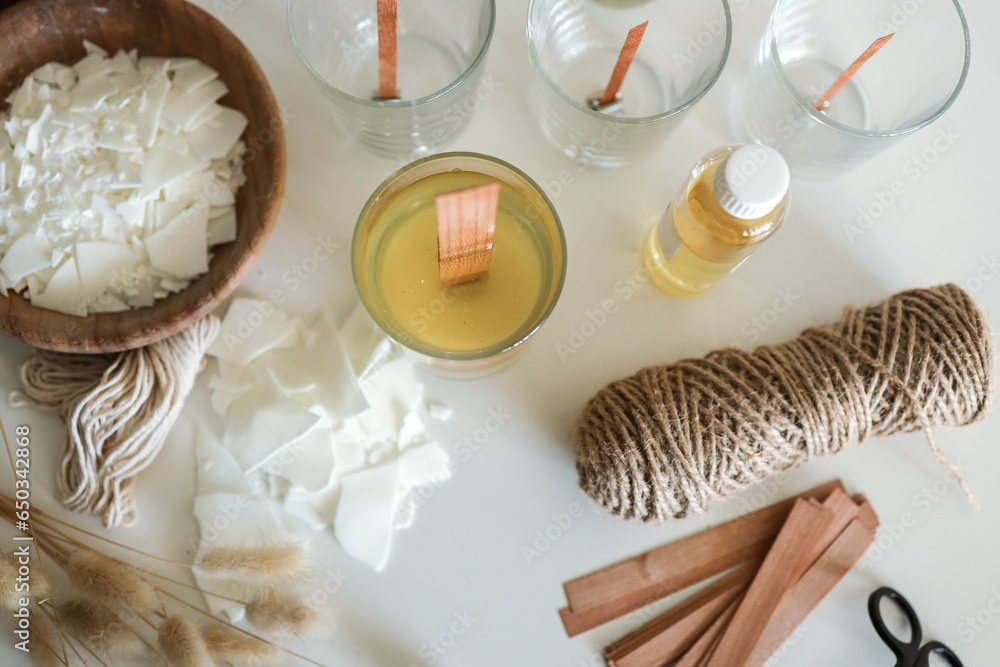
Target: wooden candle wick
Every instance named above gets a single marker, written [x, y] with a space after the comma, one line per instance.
[387, 16]
[466, 220]
[842, 80]
[624, 62]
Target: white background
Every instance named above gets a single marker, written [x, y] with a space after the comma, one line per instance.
[464, 554]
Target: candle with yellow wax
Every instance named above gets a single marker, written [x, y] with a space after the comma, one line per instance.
[475, 324]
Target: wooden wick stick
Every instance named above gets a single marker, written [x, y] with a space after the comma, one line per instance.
[835, 562]
[842, 80]
[624, 62]
[782, 567]
[606, 594]
[387, 16]
[466, 220]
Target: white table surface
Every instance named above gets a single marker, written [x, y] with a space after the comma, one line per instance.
[463, 556]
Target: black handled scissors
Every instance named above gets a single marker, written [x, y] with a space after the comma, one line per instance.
[908, 653]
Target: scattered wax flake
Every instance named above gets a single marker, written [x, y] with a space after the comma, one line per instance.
[222, 229]
[263, 422]
[194, 75]
[28, 254]
[426, 464]
[382, 453]
[63, 293]
[366, 512]
[348, 452]
[91, 93]
[299, 504]
[94, 65]
[218, 470]
[163, 165]
[307, 463]
[184, 108]
[179, 249]
[391, 393]
[101, 264]
[250, 328]
[361, 338]
[147, 120]
[413, 433]
[291, 377]
[337, 394]
[438, 410]
[216, 138]
[210, 112]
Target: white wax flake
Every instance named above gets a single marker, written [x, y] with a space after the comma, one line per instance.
[28, 254]
[366, 512]
[218, 470]
[103, 267]
[262, 423]
[63, 293]
[179, 248]
[250, 328]
[184, 108]
[335, 449]
[194, 75]
[310, 461]
[163, 164]
[216, 137]
[89, 155]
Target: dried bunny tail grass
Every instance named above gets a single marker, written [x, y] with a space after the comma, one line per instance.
[110, 582]
[39, 588]
[272, 612]
[45, 651]
[264, 565]
[99, 628]
[10, 598]
[235, 648]
[181, 644]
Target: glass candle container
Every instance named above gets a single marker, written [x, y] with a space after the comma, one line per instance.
[573, 46]
[905, 86]
[442, 46]
[471, 328]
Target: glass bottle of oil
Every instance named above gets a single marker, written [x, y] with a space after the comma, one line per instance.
[735, 198]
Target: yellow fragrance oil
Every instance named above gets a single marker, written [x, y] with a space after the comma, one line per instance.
[473, 325]
[735, 198]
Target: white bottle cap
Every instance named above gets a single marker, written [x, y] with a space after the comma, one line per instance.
[751, 181]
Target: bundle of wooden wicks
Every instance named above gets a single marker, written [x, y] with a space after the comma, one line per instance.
[103, 623]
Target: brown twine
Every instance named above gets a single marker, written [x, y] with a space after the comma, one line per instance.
[667, 440]
[118, 409]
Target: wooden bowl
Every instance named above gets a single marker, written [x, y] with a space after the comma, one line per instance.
[35, 32]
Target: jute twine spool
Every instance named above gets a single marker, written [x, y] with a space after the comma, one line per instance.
[669, 439]
[118, 410]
